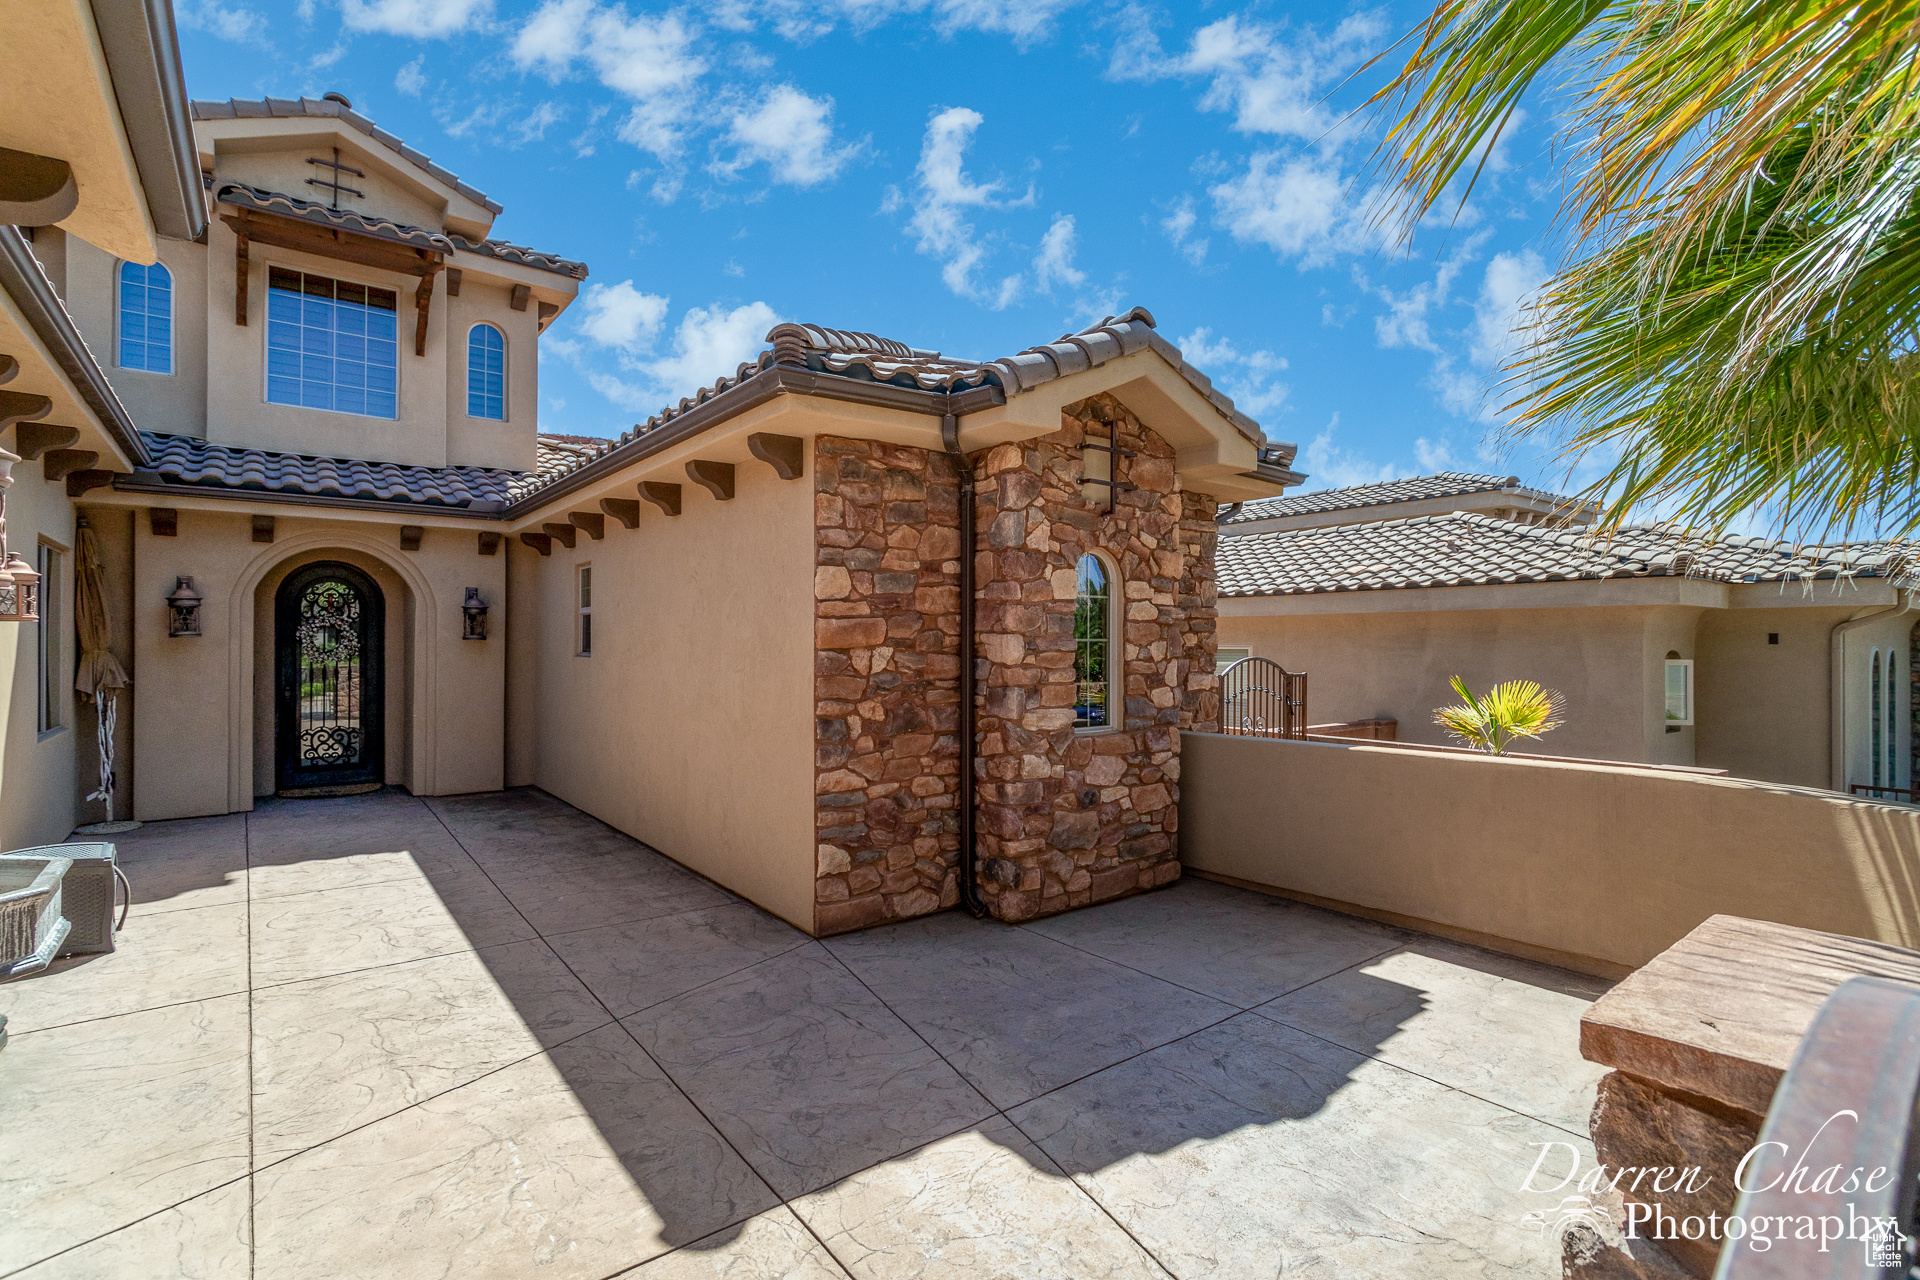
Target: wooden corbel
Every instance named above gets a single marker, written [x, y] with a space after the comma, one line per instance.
[423, 306]
[625, 510]
[715, 477]
[539, 542]
[241, 269]
[564, 534]
[592, 523]
[32, 439]
[662, 495]
[58, 464]
[785, 454]
[78, 482]
[489, 542]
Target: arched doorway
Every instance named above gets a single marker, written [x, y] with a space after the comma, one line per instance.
[329, 687]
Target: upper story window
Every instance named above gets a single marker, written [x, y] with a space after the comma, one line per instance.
[1093, 645]
[146, 317]
[583, 598]
[331, 344]
[486, 373]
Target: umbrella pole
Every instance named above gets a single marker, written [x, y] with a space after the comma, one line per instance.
[107, 704]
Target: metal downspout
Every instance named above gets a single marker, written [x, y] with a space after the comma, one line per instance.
[968, 874]
[1837, 685]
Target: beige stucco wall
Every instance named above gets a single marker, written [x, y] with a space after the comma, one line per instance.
[195, 731]
[483, 442]
[691, 725]
[38, 770]
[1606, 661]
[176, 402]
[1763, 708]
[1594, 866]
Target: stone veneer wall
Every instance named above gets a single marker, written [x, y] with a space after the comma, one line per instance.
[886, 682]
[1068, 819]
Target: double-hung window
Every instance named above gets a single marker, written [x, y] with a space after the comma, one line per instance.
[331, 344]
[486, 373]
[584, 603]
[146, 317]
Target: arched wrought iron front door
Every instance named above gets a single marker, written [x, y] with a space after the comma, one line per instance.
[328, 698]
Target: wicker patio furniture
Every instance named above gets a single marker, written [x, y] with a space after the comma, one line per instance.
[32, 927]
[88, 894]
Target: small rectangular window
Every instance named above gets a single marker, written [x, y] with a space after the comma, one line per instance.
[53, 673]
[1225, 657]
[585, 606]
[1679, 692]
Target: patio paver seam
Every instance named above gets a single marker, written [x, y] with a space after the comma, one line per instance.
[997, 1110]
[132, 1223]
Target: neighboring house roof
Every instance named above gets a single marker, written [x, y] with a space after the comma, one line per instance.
[1463, 549]
[283, 108]
[1447, 484]
[243, 196]
[186, 460]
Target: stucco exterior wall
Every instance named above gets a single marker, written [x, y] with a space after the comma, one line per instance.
[176, 402]
[484, 442]
[1609, 867]
[38, 771]
[1365, 665]
[1762, 709]
[691, 724]
[196, 723]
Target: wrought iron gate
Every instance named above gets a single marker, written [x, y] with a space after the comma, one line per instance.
[328, 712]
[1260, 698]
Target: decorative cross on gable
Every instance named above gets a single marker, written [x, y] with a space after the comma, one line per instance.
[334, 184]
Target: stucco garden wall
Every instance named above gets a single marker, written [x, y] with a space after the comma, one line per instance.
[1594, 867]
[691, 724]
[38, 771]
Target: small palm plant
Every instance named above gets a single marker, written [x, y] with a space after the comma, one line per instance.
[1516, 709]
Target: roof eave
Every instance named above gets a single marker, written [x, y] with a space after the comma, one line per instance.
[142, 51]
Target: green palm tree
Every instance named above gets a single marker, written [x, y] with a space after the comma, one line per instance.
[1739, 317]
[1516, 709]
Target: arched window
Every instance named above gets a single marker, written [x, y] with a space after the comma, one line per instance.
[1093, 645]
[486, 373]
[146, 317]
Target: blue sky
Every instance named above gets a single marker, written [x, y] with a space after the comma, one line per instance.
[975, 176]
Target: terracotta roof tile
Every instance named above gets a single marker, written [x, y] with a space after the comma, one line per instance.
[1446, 484]
[1464, 549]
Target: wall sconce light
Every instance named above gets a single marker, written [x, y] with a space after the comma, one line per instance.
[183, 609]
[475, 613]
[19, 584]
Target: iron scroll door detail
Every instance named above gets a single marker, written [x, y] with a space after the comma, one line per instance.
[1259, 698]
[329, 692]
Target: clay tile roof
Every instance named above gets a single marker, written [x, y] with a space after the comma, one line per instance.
[1447, 484]
[277, 108]
[1464, 549]
[191, 461]
[534, 258]
[246, 197]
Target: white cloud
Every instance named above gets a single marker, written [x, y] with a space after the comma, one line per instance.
[1432, 455]
[649, 59]
[803, 21]
[710, 342]
[1179, 228]
[621, 316]
[792, 133]
[945, 190]
[1512, 282]
[422, 18]
[236, 23]
[1330, 466]
[412, 78]
[1297, 206]
[535, 124]
[1053, 265]
[1248, 377]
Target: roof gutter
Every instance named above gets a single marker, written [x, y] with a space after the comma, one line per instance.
[143, 58]
[21, 276]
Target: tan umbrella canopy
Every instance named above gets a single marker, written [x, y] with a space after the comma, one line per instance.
[101, 677]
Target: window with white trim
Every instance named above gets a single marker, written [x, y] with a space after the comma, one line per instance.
[583, 605]
[1679, 692]
[1093, 645]
[1225, 657]
[146, 318]
[486, 373]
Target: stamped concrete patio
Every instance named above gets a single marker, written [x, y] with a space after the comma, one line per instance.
[491, 1037]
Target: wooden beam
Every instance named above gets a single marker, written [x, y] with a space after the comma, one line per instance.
[565, 534]
[34, 438]
[410, 535]
[715, 477]
[242, 268]
[662, 495]
[338, 243]
[539, 542]
[163, 522]
[625, 510]
[454, 277]
[518, 300]
[78, 482]
[592, 522]
[785, 454]
[423, 304]
[61, 463]
[489, 542]
[263, 528]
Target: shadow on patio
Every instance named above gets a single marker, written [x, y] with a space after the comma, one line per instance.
[489, 1035]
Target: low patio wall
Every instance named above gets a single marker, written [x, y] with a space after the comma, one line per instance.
[1594, 867]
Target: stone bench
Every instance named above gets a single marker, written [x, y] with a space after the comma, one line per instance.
[1698, 1040]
